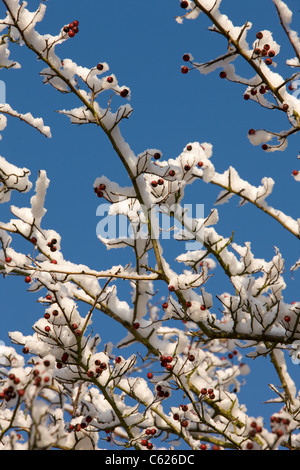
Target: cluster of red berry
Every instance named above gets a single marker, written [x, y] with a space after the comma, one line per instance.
[146, 442]
[154, 183]
[209, 392]
[165, 361]
[184, 422]
[52, 244]
[265, 51]
[161, 392]
[99, 190]
[12, 391]
[72, 28]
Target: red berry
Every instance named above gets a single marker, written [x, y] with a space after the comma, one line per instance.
[184, 423]
[272, 53]
[149, 445]
[257, 51]
[265, 147]
[287, 319]
[90, 373]
[25, 350]
[187, 167]
[200, 164]
[160, 181]
[172, 173]
[71, 33]
[203, 447]
[48, 297]
[110, 79]
[268, 61]
[259, 35]
[136, 325]
[171, 288]
[100, 66]
[203, 391]
[249, 445]
[191, 357]
[295, 172]
[223, 74]
[157, 156]
[165, 305]
[21, 392]
[251, 132]
[285, 107]
[184, 4]
[186, 57]
[210, 391]
[150, 375]
[154, 184]
[65, 357]
[184, 69]
[78, 332]
[118, 360]
[246, 97]
[8, 259]
[54, 261]
[203, 307]
[188, 304]
[27, 279]
[47, 329]
[33, 240]
[76, 23]
[266, 47]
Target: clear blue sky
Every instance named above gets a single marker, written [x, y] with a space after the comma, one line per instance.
[143, 45]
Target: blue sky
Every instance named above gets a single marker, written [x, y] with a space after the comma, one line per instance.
[143, 45]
